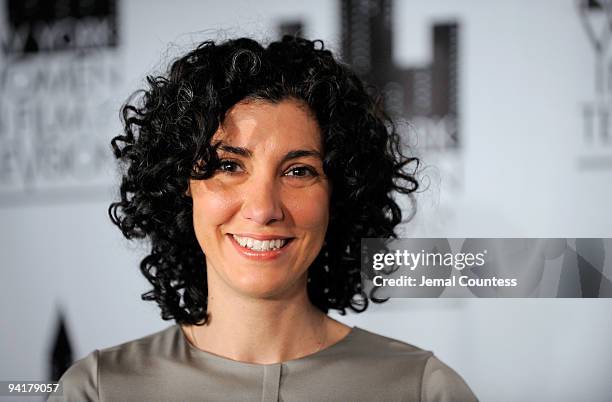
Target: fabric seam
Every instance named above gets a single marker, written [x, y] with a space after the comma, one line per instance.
[423, 376]
[98, 373]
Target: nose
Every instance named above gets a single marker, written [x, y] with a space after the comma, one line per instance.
[262, 201]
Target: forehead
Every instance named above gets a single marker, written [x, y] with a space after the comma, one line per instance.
[282, 125]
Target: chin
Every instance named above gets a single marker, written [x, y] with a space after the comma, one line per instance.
[263, 286]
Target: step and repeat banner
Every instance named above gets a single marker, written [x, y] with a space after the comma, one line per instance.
[507, 104]
[60, 74]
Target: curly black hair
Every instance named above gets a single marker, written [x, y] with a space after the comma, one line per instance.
[167, 140]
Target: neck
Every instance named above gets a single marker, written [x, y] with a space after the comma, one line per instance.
[262, 330]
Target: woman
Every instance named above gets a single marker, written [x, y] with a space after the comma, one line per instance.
[255, 172]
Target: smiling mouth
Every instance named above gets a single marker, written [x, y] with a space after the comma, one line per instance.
[261, 245]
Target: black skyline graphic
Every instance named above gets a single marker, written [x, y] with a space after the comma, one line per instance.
[37, 26]
[418, 93]
[60, 358]
[291, 27]
[596, 19]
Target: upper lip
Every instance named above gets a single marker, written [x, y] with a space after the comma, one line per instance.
[258, 236]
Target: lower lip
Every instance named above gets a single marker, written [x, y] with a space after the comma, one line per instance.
[258, 255]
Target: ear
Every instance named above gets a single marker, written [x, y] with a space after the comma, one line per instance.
[188, 191]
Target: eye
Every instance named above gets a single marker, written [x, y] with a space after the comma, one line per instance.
[229, 166]
[301, 171]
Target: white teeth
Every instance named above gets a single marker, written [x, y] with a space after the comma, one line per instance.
[260, 245]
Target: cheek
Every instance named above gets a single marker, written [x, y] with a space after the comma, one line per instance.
[311, 211]
[213, 205]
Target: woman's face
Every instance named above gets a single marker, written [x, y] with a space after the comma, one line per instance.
[261, 218]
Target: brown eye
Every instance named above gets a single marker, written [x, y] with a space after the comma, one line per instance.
[229, 166]
[301, 171]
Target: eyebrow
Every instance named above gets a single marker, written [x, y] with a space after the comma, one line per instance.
[297, 153]
[236, 150]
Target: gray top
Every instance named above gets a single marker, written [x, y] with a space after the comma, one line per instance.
[165, 366]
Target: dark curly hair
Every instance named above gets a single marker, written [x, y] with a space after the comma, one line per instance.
[167, 140]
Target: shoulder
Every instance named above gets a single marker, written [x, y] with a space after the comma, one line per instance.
[437, 381]
[370, 343]
[139, 353]
[442, 384]
[366, 337]
[82, 381]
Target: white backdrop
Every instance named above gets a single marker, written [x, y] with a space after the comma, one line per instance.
[526, 68]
